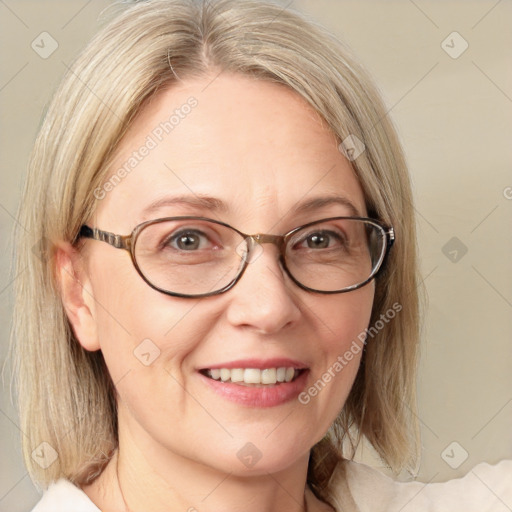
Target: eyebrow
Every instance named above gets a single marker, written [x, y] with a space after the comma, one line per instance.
[217, 205]
[322, 201]
[197, 201]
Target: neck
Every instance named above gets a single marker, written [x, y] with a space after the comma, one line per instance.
[227, 494]
[144, 476]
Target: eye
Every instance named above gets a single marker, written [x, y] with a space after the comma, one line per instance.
[188, 240]
[318, 241]
[322, 239]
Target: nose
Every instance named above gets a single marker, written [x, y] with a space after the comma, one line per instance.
[264, 299]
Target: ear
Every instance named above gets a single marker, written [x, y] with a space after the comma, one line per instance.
[77, 295]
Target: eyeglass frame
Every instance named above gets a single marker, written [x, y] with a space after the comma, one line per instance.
[128, 242]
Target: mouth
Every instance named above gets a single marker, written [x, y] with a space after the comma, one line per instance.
[254, 377]
[257, 383]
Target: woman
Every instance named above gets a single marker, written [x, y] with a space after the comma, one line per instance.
[222, 282]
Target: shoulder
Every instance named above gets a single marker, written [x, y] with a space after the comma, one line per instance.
[61, 496]
[484, 488]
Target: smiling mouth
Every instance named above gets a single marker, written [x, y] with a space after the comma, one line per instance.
[254, 376]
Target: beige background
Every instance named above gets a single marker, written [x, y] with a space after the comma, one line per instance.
[454, 116]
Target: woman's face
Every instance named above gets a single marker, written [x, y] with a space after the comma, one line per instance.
[261, 152]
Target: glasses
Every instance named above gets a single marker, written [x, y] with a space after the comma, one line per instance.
[199, 257]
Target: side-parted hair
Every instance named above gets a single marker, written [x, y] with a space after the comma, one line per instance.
[66, 397]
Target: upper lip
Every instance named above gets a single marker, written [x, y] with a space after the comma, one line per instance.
[261, 364]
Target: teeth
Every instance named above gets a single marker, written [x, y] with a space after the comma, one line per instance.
[237, 375]
[254, 375]
[268, 375]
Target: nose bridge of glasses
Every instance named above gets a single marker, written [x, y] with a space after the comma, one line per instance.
[262, 238]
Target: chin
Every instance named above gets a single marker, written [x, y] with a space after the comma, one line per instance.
[259, 458]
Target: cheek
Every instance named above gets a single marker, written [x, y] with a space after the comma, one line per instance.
[343, 318]
[139, 327]
[341, 324]
[146, 339]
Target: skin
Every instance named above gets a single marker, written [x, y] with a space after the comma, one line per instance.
[261, 149]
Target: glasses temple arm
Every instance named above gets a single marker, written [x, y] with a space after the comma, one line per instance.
[117, 241]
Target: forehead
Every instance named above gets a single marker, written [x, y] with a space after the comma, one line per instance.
[255, 146]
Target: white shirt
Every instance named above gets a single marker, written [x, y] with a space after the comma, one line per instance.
[485, 488]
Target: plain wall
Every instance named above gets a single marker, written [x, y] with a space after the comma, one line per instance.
[454, 116]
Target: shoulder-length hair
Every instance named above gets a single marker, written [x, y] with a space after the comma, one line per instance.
[66, 397]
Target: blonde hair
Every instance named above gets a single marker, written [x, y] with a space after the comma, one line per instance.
[66, 397]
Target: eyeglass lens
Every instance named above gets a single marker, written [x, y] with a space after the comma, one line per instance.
[192, 257]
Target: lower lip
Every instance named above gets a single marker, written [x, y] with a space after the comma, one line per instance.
[252, 396]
